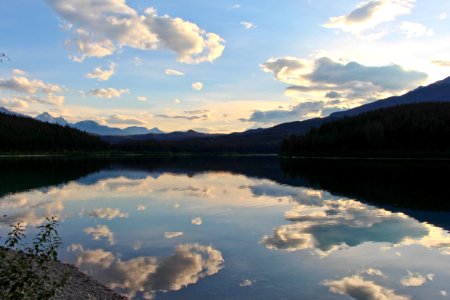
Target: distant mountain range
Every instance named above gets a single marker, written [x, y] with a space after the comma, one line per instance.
[266, 140]
[88, 126]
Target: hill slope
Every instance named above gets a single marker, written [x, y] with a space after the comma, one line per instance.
[414, 130]
[23, 134]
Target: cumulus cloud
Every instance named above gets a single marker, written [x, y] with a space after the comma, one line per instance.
[142, 98]
[351, 222]
[172, 235]
[197, 221]
[15, 103]
[355, 83]
[248, 25]
[33, 90]
[203, 117]
[108, 93]
[119, 119]
[197, 86]
[374, 272]
[358, 288]
[246, 283]
[369, 14]
[415, 279]
[172, 72]
[99, 232]
[100, 30]
[188, 264]
[102, 74]
[284, 69]
[415, 30]
[108, 213]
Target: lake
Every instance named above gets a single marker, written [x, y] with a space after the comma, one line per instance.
[243, 227]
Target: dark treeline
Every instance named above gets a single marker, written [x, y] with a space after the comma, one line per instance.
[22, 134]
[416, 130]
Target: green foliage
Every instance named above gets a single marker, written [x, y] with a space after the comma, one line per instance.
[22, 134]
[24, 270]
[415, 130]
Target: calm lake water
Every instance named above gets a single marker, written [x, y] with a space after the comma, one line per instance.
[243, 228]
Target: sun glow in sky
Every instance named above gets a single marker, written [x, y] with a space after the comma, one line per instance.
[215, 66]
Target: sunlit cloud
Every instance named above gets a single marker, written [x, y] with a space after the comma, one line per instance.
[369, 14]
[101, 30]
[197, 221]
[142, 98]
[108, 93]
[102, 74]
[172, 235]
[248, 25]
[172, 72]
[32, 90]
[415, 30]
[100, 232]
[108, 213]
[197, 86]
[246, 283]
[415, 279]
[358, 288]
[187, 265]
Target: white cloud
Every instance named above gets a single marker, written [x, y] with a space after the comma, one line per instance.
[415, 30]
[441, 63]
[235, 6]
[142, 98]
[108, 93]
[197, 86]
[248, 25]
[358, 288]
[172, 72]
[172, 235]
[374, 272]
[34, 90]
[14, 102]
[246, 283]
[197, 221]
[177, 101]
[369, 14]
[141, 207]
[99, 232]
[108, 213]
[415, 279]
[354, 81]
[100, 30]
[187, 265]
[102, 74]
[443, 16]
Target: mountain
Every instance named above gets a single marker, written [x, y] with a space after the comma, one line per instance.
[269, 140]
[46, 117]
[95, 128]
[135, 130]
[6, 111]
[436, 92]
[410, 130]
[21, 134]
[175, 136]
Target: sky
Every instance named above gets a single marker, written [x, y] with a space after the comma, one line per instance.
[215, 66]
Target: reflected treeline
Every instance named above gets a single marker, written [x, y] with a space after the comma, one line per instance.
[23, 174]
[418, 185]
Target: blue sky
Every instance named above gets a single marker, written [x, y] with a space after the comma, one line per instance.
[217, 66]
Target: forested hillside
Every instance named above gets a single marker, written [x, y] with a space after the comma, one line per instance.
[22, 134]
[415, 130]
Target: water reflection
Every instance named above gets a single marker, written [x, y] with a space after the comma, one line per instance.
[188, 264]
[153, 229]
